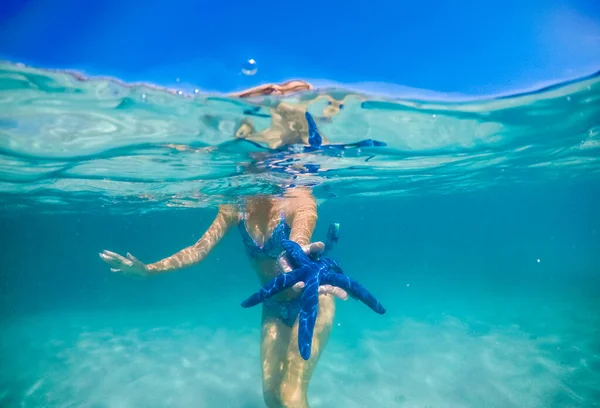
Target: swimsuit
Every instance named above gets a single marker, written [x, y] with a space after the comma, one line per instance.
[272, 246]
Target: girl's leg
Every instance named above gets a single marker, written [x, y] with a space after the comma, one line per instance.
[297, 371]
[286, 374]
[275, 337]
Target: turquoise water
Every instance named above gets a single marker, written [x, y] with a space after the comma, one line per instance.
[477, 227]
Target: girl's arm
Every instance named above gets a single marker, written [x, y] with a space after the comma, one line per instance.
[227, 217]
[303, 214]
[192, 255]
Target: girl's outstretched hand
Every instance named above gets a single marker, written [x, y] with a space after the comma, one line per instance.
[313, 250]
[129, 266]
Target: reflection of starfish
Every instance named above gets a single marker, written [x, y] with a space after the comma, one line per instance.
[324, 271]
[283, 158]
[315, 140]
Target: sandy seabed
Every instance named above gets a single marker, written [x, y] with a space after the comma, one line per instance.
[62, 359]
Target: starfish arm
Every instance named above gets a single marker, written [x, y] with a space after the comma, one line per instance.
[276, 285]
[314, 138]
[308, 316]
[333, 235]
[355, 289]
[369, 143]
[362, 143]
[296, 254]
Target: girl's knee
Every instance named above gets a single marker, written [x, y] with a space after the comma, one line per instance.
[285, 398]
[271, 399]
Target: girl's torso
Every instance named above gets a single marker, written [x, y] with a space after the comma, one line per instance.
[262, 226]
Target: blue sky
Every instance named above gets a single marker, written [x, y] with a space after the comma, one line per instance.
[468, 47]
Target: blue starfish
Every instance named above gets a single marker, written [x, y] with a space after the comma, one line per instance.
[314, 273]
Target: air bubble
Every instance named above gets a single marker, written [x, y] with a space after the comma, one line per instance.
[144, 96]
[180, 92]
[196, 91]
[249, 67]
[177, 79]
[568, 99]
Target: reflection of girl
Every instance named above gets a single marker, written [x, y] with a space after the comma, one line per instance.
[288, 124]
[262, 222]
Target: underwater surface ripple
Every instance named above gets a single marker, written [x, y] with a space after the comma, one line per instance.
[66, 139]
